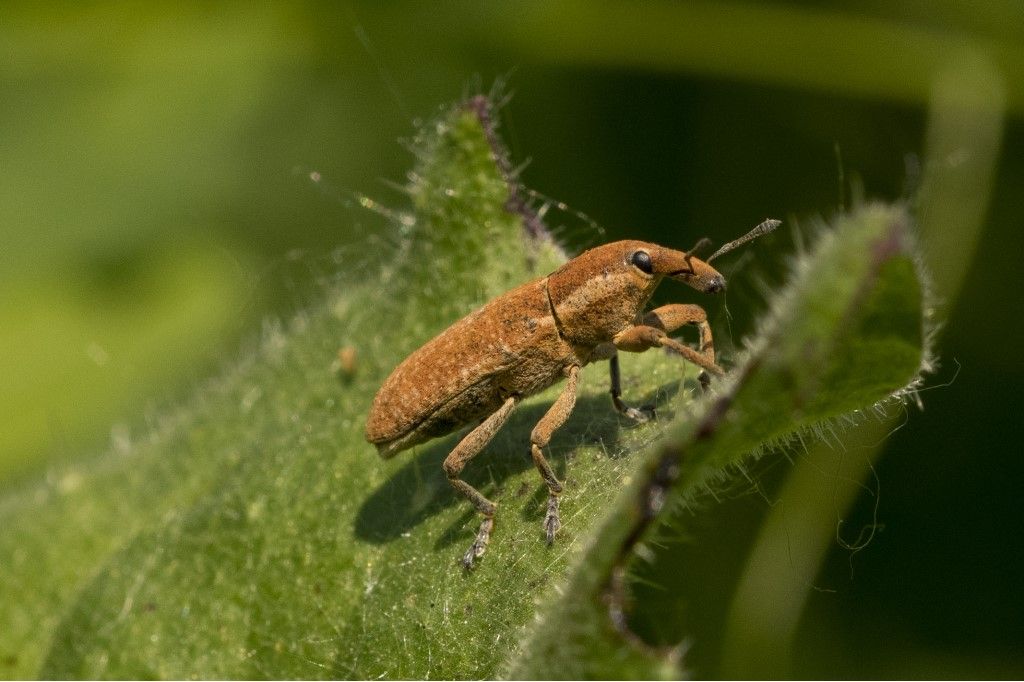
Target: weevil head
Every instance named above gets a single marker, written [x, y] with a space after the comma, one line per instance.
[601, 291]
[682, 267]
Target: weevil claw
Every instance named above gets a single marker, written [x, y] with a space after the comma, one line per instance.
[640, 415]
[636, 415]
[705, 381]
[479, 546]
[551, 521]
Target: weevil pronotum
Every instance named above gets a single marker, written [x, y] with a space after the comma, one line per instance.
[535, 335]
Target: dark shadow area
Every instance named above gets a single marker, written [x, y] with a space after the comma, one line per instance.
[420, 489]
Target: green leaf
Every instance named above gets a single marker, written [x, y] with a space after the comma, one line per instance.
[254, 533]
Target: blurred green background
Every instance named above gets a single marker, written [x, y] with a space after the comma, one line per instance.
[156, 208]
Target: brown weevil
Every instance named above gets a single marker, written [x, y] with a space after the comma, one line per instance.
[535, 335]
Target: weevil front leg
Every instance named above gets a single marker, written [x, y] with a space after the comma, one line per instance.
[655, 326]
[671, 317]
[541, 436]
[468, 448]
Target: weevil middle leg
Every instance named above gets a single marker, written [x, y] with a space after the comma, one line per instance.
[468, 448]
[638, 414]
[541, 436]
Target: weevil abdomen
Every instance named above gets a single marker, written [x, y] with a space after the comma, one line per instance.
[509, 347]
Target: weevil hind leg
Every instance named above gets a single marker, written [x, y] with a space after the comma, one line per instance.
[468, 448]
[556, 415]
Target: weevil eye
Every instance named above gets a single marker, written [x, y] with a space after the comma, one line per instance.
[642, 260]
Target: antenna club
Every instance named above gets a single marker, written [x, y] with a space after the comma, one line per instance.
[766, 226]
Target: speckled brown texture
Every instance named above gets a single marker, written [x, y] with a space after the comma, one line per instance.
[523, 341]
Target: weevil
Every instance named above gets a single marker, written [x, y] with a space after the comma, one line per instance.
[522, 342]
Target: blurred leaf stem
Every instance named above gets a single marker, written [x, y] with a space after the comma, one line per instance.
[781, 44]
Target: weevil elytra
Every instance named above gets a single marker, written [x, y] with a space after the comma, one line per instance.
[526, 340]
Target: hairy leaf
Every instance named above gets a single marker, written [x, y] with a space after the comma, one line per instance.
[254, 533]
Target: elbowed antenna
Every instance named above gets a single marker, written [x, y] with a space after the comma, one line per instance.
[701, 244]
[764, 228]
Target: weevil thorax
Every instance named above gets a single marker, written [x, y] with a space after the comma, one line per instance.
[602, 291]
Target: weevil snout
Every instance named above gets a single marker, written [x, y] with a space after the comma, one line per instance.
[704, 278]
[715, 284]
[691, 270]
